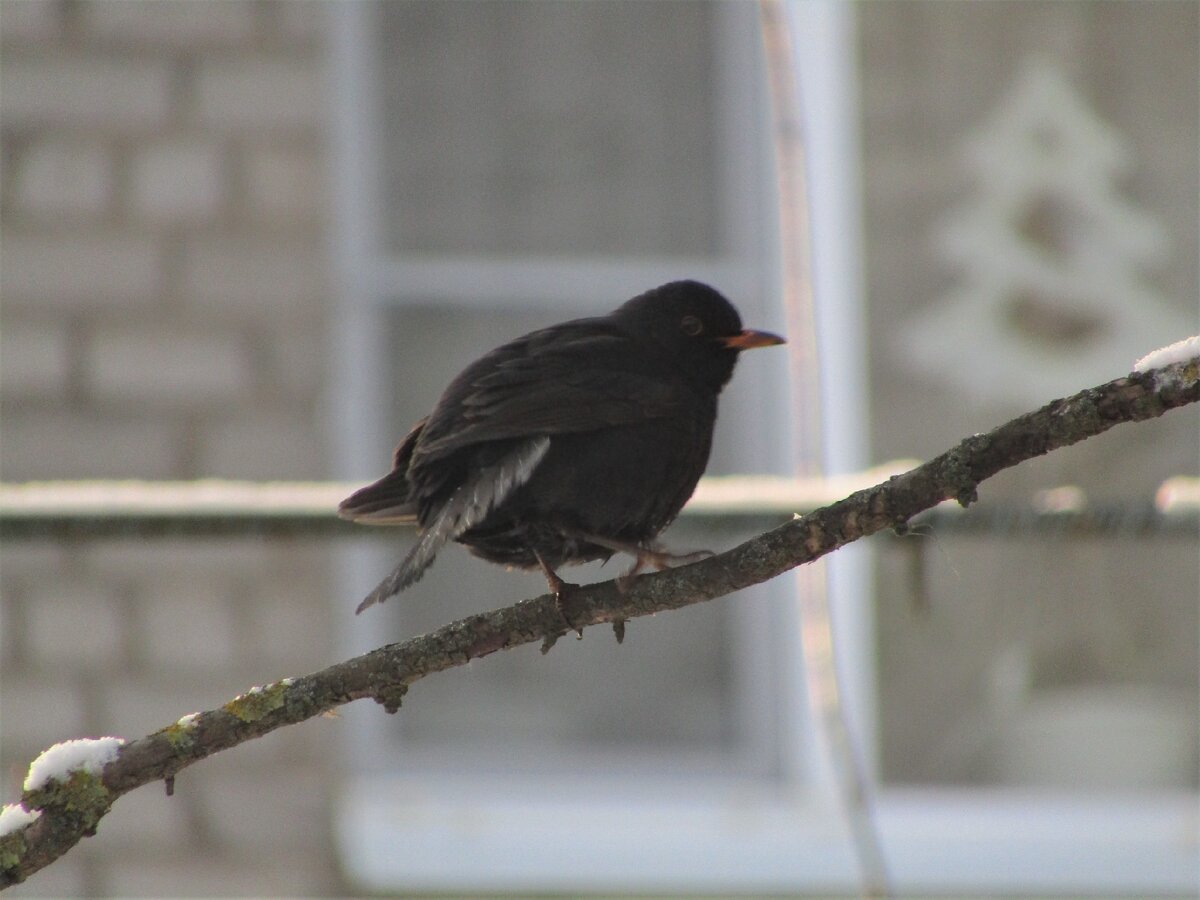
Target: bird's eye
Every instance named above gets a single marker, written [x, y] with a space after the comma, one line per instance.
[691, 326]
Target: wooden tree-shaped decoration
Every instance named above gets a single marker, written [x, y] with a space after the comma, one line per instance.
[1052, 294]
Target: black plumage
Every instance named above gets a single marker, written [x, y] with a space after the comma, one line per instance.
[567, 444]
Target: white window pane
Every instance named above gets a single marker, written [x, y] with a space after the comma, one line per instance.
[548, 127]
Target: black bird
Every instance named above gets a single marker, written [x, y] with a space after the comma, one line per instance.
[568, 444]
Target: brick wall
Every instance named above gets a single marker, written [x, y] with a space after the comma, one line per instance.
[164, 312]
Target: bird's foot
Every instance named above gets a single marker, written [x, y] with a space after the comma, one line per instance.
[657, 559]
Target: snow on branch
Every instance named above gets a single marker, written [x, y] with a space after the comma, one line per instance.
[1180, 351]
[71, 791]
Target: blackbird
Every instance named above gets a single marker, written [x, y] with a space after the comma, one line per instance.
[569, 444]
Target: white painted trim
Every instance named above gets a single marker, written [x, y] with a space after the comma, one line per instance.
[823, 35]
[617, 836]
[357, 391]
[581, 285]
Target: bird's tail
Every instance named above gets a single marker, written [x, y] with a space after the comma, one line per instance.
[401, 577]
[384, 502]
[387, 501]
[466, 508]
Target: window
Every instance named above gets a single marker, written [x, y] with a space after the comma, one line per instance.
[505, 166]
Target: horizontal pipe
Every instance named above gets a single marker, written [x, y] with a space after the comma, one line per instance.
[114, 509]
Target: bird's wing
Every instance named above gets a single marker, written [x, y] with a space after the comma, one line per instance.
[562, 380]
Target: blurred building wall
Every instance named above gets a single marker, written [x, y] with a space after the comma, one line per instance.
[164, 292]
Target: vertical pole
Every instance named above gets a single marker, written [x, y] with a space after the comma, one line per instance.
[850, 779]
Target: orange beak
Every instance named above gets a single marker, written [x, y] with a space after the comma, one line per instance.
[748, 340]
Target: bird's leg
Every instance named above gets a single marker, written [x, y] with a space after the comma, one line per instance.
[558, 588]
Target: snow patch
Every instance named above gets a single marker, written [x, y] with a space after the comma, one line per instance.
[15, 816]
[88, 754]
[1188, 348]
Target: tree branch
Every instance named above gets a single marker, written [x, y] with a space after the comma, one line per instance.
[71, 809]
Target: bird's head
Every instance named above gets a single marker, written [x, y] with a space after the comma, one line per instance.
[693, 325]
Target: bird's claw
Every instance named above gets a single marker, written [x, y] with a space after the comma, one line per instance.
[559, 589]
[559, 604]
[686, 559]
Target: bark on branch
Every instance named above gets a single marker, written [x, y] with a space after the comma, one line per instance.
[71, 810]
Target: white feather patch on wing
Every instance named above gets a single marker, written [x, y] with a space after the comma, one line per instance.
[467, 507]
